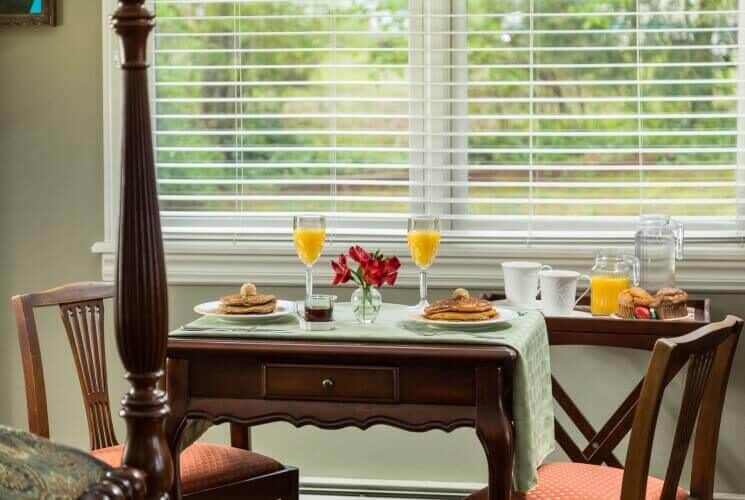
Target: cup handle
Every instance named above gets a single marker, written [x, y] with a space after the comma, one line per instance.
[589, 285]
[544, 267]
[679, 239]
[636, 269]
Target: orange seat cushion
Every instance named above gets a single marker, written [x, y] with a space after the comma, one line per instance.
[204, 466]
[574, 481]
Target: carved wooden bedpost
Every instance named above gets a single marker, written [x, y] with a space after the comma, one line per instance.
[140, 296]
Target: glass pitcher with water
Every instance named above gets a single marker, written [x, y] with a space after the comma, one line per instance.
[659, 243]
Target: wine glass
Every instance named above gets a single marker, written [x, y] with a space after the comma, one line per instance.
[424, 240]
[309, 233]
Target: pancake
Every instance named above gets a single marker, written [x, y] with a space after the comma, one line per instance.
[460, 307]
[469, 305]
[458, 316]
[245, 301]
[267, 308]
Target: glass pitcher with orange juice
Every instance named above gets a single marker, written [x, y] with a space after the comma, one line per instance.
[612, 273]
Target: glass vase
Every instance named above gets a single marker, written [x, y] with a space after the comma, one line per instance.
[366, 304]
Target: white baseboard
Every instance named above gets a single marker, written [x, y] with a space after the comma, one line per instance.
[333, 486]
[404, 490]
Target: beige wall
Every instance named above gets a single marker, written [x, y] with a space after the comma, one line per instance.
[50, 180]
[51, 207]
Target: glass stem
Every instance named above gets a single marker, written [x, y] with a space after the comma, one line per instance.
[308, 281]
[422, 286]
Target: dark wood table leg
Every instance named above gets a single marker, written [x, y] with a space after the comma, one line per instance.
[177, 376]
[494, 430]
[240, 436]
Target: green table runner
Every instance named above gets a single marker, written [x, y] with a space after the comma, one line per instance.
[532, 399]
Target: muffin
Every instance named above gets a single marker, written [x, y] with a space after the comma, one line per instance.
[671, 303]
[632, 298]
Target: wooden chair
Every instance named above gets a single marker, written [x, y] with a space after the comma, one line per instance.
[207, 471]
[708, 352]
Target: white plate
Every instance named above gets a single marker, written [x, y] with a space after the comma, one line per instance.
[505, 315]
[284, 307]
[691, 317]
[537, 305]
[574, 314]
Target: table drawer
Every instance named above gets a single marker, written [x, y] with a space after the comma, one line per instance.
[331, 382]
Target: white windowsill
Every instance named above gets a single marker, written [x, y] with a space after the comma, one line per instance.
[719, 268]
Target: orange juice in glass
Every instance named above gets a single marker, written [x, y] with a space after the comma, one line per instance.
[605, 291]
[424, 241]
[309, 234]
[613, 272]
[309, 244]
[423, 245]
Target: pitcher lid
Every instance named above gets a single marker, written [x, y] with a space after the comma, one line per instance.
[654, 219]
[611, 253]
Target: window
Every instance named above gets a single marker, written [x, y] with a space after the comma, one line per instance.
[267, 108]
[524, 119]
[582, 115]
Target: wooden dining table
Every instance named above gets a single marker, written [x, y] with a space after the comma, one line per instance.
[416, 387]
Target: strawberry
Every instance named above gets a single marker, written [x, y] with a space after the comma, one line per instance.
[641, 312]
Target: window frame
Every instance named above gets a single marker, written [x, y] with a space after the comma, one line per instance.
[271, 260]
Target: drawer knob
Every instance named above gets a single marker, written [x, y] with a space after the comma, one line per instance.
[327, 384]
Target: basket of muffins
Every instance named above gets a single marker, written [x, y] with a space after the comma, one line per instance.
[666, 304]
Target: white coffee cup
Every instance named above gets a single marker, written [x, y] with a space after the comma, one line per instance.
[521, 282]
[559, 291]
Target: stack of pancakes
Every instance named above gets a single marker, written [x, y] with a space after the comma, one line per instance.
[248, 302]
[461, 307]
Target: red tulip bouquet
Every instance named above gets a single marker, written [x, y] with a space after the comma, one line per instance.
[373, 271]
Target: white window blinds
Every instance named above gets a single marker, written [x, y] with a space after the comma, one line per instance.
[270, 108]
[525, 119]
[582, 115]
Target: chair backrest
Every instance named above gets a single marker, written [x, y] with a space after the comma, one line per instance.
[81, 307]
[708, 351]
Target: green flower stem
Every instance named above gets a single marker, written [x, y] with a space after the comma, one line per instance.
[359, 279]
[364, 299]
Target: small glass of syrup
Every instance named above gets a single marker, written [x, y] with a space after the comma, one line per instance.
[319, 308]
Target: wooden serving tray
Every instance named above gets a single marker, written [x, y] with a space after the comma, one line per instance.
[701, 312]
[617, 332]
